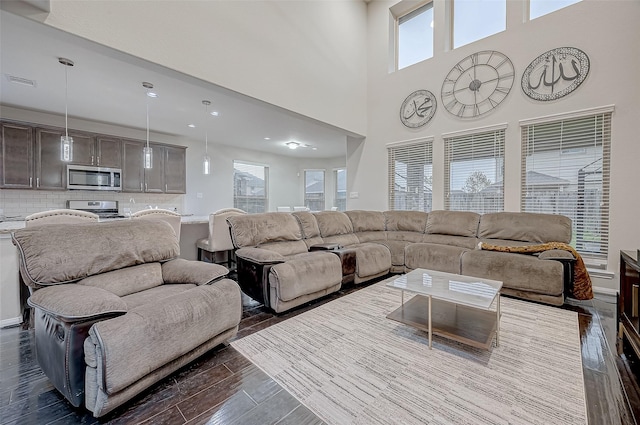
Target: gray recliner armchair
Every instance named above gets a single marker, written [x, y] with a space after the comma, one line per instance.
[116, 310]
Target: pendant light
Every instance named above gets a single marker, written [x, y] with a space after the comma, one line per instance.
[147, 152]
[206, 160]
[66, 142]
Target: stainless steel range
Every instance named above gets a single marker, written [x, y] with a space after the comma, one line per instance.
[104, 209]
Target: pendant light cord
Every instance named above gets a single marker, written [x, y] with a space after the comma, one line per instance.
[66, 102]
[147, 118]
[206, 129]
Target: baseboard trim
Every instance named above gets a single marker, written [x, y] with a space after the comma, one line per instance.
[605, 291]
[10, 322]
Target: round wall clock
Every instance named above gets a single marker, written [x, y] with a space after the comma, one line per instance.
[477, 84]
[555, 74]
[418, 108]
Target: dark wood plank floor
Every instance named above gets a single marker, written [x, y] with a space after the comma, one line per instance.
[222, 387]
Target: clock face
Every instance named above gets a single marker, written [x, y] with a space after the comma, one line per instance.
[418, 108]
[477, 84]
[555, 74]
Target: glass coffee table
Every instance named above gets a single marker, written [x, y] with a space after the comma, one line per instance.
[450, 305]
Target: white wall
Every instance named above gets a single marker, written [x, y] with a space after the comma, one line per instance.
[305, 56]
[606, 30]
[286, 177]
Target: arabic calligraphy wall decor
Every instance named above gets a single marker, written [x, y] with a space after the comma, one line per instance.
[477, 84]
[418, 108]
[555, 74]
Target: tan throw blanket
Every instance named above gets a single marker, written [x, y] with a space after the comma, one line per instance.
[582, 289]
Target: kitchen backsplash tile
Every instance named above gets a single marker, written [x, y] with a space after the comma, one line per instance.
[20, 203]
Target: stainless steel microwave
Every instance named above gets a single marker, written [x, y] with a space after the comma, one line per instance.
[93, 178]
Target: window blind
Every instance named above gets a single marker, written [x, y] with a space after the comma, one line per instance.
[250, 187]
[474, 172]
[314, 189]
[410, 176]
[566, 170]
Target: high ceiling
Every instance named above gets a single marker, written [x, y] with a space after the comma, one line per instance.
[106, 86]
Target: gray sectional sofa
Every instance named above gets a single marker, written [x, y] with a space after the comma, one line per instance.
[116, 310]
[287, 259]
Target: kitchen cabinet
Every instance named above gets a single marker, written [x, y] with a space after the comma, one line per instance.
[138, 179]
[108, 151]
[102, 151]
[132, 169]
[175, 180]
[16, 156]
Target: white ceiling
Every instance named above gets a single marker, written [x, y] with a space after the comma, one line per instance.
[106, 86]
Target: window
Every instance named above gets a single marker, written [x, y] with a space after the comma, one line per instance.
[314, 189]
[340, 182]
[410, 176]
[250, 187]
[477, 19]
[474, 171]
[415, 36]
[565, 170]
[539, 8]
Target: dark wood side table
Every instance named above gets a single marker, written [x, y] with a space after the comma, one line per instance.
[629, 302]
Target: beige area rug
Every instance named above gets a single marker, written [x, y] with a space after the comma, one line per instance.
[349, 364]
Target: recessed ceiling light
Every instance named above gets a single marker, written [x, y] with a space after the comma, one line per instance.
[191, 125]
[292, 144]
[215, 113]
[314, 148]
[267, 138]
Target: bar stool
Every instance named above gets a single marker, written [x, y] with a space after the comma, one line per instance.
[219, 239]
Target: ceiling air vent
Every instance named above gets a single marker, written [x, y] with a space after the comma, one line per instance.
[20, 80]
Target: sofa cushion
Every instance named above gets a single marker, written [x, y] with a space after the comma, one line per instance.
[156, 294]
[128, 280]
[372, 259]
[455, 223]
[305, 274]
[62, 301]
[443, 258]
[371, 236]
[308, 224]
[411, 221]
[162, 331]
[256, 229]
[461, 241]
[286, 248]
[396, 248]
[527, 227]
[332, 223]
[516, 271]
[366, 221]
[403, 235]
[343, 240]
[88, 249]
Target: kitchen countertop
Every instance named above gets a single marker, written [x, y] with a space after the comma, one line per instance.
[7, 227]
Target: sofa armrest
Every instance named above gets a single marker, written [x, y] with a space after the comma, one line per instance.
[556, 254]
[195, 272]
[567, 259]
[260, 256]
[75, 303]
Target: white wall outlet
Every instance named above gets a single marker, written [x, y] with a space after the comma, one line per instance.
[354, 195]
[199, 195]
